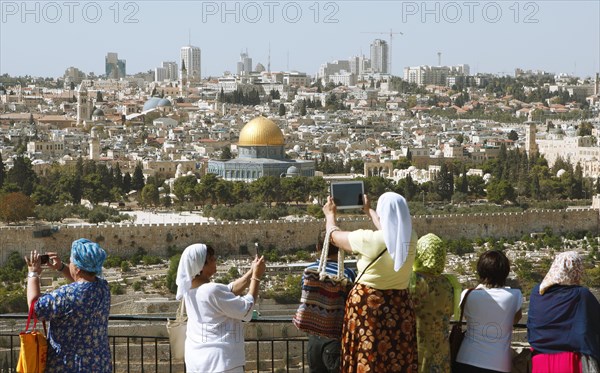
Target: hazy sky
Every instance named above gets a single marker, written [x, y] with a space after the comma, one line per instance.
[43, 38]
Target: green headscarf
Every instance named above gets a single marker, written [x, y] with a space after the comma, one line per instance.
[431, 255]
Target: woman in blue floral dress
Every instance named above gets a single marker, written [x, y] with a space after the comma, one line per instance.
[77, 312]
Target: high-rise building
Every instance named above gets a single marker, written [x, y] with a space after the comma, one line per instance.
[379, 56]
[114, 67]
[168, 71]
[73, 75]
[359, 65]
[244, 66]
[191, 57]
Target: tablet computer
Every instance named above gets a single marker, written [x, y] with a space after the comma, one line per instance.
[348, 194]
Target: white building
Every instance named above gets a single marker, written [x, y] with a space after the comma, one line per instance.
[574, 149]
[191, 57]
[331, 68]
[436, 75]
[168, 71]
[344, 77]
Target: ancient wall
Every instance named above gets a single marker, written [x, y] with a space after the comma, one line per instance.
[229, 236]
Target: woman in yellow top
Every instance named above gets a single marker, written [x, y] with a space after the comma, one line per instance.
[436, 297]
[379, 333]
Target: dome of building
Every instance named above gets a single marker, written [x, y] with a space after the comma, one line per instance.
[98, 113]
[560, 172]
[292, 171]
[151, 103]
[164, 102]
[259, 68]
[261, 131]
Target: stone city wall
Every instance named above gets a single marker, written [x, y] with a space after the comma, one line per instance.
[228, 237]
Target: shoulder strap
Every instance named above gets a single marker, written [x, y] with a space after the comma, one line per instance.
[181, 310]
[373, 261]
[462, 304]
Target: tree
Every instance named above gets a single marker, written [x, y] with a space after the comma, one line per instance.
[137, 182]
[127, 182]
[2, 172]
[500, 191]
[513, 135]
[226, 153]
[22, 175]
[150, 195]
[117, 178]
[303, 107]
[281, 112]
[183, 188]
[99, 97]
[445, 183]
[585, 129]
[15, 207]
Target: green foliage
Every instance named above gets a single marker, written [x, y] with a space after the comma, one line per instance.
[137, 286]
[592, 277]
[459, 247]
[302, 255]
[113, 261]
[116, 288]
[151, 260]
[290, 292]
[125, 266]
[172, 273]
[315, 211]
[12, 300]
[13, 270]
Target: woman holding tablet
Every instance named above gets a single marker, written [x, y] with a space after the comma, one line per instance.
[379, 332]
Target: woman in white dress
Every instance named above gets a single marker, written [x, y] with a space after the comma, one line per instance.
[215, 333]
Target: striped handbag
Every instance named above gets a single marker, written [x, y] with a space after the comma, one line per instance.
[321, 310]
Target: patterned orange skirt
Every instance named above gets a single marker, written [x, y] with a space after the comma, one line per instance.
[379, 334]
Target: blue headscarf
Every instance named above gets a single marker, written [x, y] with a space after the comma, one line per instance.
[88, 256]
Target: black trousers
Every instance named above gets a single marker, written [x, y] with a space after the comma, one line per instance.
[323, 354]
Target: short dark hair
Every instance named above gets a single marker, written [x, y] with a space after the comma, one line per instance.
[493, 268]
[333, 250]
[210, 252]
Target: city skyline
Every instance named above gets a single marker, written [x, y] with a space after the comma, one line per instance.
[491, 37]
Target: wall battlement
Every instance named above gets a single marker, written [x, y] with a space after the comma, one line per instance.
[228, 237]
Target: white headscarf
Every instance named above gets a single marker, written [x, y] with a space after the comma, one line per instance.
[567, 269]
[191, 263]
[396, 225]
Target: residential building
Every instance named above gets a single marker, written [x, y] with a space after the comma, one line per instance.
[435, 75]
[168, 71]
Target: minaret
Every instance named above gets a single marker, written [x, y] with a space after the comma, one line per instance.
[94, 147]
[184, 82]
[530, 145]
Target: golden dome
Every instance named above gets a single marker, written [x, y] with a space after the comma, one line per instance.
[261, 131]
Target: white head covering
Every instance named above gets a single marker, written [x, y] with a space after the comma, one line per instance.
[191, 263]
[396, 225]
[567, 269]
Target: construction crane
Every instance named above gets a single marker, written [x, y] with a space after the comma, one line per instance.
[391, 34]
